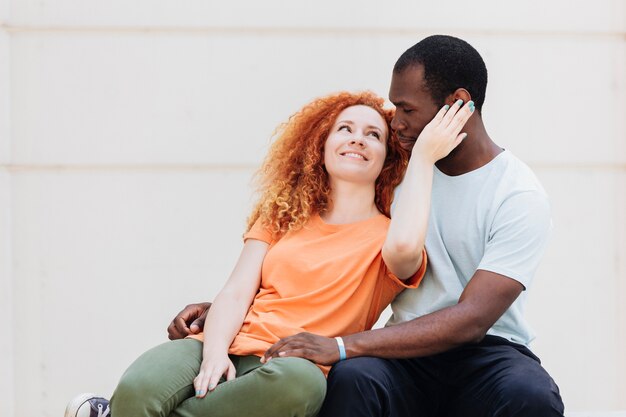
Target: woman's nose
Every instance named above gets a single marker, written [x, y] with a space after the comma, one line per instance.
[357, 141]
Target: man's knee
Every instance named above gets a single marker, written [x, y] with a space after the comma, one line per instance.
[357, 373]
[532, 396]
[358, 386]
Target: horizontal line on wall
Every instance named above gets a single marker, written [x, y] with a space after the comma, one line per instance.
[584, 167]
[127, 167]
[16, 168]
[281, 30]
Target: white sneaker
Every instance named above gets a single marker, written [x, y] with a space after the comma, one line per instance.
[88, 405]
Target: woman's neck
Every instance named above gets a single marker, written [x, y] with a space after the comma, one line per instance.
[350, 203]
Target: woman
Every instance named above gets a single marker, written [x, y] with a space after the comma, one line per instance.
[320, 255]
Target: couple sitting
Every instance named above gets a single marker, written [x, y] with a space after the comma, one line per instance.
[325, 252]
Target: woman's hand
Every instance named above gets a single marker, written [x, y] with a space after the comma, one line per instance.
[212, 369]
[443, 133]
[318, 349]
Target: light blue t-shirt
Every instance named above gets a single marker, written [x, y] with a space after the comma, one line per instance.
[495, 218]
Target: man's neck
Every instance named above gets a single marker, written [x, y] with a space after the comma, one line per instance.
[474, 152]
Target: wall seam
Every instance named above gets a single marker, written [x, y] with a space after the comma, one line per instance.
[281, 30]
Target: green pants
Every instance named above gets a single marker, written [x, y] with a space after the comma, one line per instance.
[160, 383]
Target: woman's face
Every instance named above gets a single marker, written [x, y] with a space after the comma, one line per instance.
[356, 147]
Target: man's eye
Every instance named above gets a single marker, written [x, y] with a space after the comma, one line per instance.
[407, 110]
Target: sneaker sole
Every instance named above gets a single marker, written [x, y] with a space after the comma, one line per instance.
[73, 407]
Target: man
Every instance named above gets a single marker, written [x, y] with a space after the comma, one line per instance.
[457, 345]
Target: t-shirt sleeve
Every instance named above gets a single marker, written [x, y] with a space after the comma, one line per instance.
[259, 232]
[413, 281]
[389, 286]
[518, 237]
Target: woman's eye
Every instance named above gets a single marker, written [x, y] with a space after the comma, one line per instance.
[344, 127]
[375, 134]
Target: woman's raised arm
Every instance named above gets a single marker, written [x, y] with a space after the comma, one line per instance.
[402, 250]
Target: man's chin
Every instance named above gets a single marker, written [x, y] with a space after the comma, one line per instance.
[407, 145]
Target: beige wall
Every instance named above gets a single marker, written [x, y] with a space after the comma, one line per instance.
[129, 131]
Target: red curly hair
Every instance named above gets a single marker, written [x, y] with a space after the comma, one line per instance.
[293, 183]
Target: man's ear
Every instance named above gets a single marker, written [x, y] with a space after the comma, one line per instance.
[459, 94]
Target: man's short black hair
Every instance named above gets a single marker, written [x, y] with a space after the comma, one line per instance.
[449, 63]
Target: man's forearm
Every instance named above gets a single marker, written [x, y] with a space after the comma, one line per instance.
[427, 335]
[485, 298]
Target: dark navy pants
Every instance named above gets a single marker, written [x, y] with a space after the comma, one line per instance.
[492, 378]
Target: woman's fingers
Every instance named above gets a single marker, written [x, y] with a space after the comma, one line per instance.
[232, 373]
[451, 118]
[214, 380]
[460, 118]
[440, 115]
[201, 383]
[459, 139]
[207, 380]
[451, 113]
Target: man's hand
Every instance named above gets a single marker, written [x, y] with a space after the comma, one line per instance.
[190, 320]
[319, 349]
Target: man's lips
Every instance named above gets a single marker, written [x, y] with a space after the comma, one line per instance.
[402, 138]
[406, 142]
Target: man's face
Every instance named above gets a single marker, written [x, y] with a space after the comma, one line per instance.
[414, 105]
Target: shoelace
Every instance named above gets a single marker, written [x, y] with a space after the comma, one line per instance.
[105, 413]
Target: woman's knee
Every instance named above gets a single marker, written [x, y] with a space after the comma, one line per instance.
[158, 377]
[132, 395]
[135, 383]
[297, 381]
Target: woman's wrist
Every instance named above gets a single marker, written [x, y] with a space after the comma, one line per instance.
[214, 351]
[421, 158]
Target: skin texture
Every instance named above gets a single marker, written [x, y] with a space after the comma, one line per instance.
[487, 296]
[359, 130]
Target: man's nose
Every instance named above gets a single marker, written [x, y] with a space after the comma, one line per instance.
[397, 124]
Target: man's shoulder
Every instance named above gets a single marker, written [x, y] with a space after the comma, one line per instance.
[515, 176]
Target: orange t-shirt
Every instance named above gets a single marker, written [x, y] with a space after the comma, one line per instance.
[326, 279]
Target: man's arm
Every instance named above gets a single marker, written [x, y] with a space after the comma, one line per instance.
[190, 320]
[485, 298]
